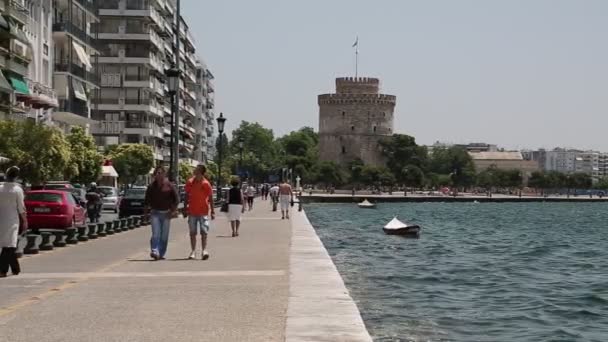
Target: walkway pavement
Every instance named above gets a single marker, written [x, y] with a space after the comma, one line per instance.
[109, 290]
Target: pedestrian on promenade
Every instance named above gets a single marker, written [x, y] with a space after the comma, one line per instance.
[236, 206]
[198, 205]
[161, 202]
[274, 196]
[13, 222]
[285, 198]
[250, 195]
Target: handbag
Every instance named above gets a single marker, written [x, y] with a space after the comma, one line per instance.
[224, 207]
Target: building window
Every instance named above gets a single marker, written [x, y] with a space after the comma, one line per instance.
[343, 150]
[374, 129]
[343, 114]
[45, 49]
[352, 128]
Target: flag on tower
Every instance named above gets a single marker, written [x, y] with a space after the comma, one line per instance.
[356, 42]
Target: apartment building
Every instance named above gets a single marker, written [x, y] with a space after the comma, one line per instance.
[134, 42]
[138, 45]
[75, 52]
[15, 57]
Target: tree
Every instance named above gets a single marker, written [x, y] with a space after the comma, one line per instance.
[330, 173]
[223, 148]
[41, 152]
[132, 161]
[454, 161]
[412, 175]
[85, 161]
[356, 167]
[370, 175]
[185, 171]
[538, 180]
[400, 151]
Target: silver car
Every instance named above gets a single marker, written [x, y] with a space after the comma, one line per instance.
[110, 200]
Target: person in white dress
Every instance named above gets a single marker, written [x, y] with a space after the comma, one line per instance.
[13, 222]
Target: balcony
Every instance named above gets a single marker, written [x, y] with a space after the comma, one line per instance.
[88, 5]
[135, 105]
[149, 12]
[150, 35]
[151, 60]
[77, 32]
[77, 70]
[17, 11]
[73, 106]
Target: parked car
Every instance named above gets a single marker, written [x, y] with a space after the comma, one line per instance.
[110, 200]
[53, 209]
[132, 203]
[58, 185]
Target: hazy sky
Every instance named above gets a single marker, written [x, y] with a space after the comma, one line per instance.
[517, 73]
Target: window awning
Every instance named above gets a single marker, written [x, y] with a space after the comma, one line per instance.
[4, 85]
[82, 55]
[19, 85]
[79, 90]
[4, 24]
[109, 171]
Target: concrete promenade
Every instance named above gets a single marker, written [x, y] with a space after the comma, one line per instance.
[110, 290]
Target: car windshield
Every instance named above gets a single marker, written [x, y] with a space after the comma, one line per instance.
[136, 193]
[43, 197]
[108, 191]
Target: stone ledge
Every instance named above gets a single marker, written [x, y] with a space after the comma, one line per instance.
[320, 307]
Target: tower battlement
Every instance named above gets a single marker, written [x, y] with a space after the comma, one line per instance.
[352, 98]
[357, 85]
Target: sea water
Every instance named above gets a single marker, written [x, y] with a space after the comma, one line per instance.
[479, 272]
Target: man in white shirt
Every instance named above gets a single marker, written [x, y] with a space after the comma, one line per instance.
[13, 222]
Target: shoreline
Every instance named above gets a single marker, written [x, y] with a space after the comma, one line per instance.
[320, 307]
[339, 198]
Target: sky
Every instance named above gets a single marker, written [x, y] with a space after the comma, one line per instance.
[517, 73]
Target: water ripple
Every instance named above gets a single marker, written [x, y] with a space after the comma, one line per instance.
[484, 272]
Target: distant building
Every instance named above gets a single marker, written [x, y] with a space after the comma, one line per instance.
[472, 147]
[504, 161]
[353, 121]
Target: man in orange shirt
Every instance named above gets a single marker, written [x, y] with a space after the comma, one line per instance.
[199, 206]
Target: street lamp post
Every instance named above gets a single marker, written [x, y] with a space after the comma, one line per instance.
[221, 120]
[241, 143]
[173, 78]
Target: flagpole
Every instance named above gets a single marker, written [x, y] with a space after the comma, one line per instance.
[357, 59]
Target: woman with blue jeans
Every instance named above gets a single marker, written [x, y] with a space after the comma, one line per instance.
[161, 202]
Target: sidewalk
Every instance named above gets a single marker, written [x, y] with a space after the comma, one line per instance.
[109, 290]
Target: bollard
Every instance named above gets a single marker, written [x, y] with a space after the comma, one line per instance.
[109, 228]
[82, 234]
[71, 236]
[142, 219]
[130, 223]
[137, 221]
[59, 239]
[32, 246]
[101, 229]
[117, 226]
[46, 245]
[92, 231]
[123, 224]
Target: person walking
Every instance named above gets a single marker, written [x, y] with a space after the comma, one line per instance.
[236, 206]
[285, 199]
[161, 202]
[199, 207]
[13, 222]
[250, 196]
[274, 196]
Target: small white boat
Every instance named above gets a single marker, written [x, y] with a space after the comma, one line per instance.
[396, 227]
[366, 204]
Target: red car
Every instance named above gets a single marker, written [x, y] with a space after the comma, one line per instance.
[53, 209]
